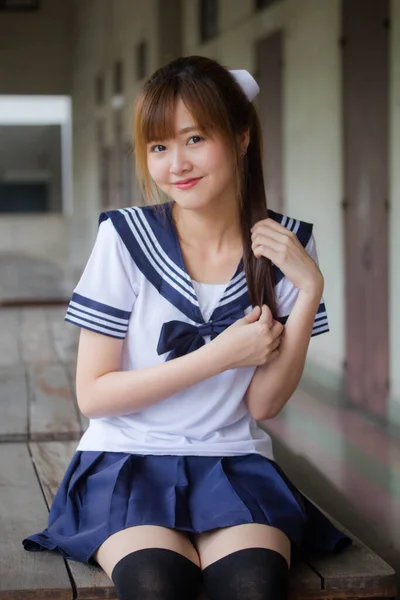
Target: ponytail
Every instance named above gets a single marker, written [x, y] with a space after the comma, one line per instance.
[259, 271]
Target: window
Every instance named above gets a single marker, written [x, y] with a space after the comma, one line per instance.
[260, 4]
[208, 19]
[13, 5]
[118, 77]
[99, 90]
[141, 60]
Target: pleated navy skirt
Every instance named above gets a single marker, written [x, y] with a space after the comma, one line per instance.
[104, 492]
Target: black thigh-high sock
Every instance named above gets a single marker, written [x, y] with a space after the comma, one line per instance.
[156, 574]
[249, 574]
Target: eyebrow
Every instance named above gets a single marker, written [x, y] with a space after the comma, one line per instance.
[187, 129]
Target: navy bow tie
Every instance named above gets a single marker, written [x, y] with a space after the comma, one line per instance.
[180, 338]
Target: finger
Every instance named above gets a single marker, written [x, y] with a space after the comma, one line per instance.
[253, 315]
[276, 343]
[274, 355]
[272, 224]
[281, 235]
[266, 316]
[277, 328]
[268, 251]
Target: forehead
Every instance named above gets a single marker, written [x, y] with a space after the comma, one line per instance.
[168, 116]
[176, 121]
[182, 113]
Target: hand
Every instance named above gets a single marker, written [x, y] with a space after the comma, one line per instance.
[283, 248]
[251, 341]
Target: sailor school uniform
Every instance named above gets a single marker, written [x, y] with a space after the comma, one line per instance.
[196, 460]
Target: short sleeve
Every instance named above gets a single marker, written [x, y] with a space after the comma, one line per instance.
[287, 293]
[104, 297]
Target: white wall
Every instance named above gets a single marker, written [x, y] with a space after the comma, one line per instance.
[313, 152]
[35, 50]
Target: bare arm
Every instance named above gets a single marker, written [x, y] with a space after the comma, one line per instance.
[274, 383]
[103, 390]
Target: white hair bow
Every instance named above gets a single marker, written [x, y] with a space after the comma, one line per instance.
[247, 82]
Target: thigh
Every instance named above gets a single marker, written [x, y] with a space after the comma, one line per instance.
[139, 537]
[215, 544]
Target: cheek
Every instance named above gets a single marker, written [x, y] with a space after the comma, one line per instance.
[220, 165]
[157, 169]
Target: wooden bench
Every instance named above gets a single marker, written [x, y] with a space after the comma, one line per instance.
[29, 477]
[39, 426]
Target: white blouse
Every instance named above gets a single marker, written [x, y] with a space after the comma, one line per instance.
[135, 287]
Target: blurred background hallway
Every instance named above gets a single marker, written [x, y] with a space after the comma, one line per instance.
[329, 72]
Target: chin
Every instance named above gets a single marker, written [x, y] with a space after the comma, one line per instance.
[191, 202]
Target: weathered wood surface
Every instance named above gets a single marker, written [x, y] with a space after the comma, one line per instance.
[13, 404]
[356, 573]
[27, 280]
[25, 575]
[37, 383]
[37, 345]
[38, 404]
[10, 347]
[51, 460]
[71, 370]
[53, 414]
[357, 569]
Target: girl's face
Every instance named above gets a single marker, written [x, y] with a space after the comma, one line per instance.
[204, 161]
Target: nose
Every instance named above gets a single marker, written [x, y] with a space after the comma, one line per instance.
[179, 161]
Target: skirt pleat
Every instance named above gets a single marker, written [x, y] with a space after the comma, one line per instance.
[104, 492]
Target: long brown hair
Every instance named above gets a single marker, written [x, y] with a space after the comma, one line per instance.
[218, 106]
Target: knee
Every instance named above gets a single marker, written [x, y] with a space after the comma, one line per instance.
[155, 573]
[253, 573]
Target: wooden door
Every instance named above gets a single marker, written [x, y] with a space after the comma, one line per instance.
[365, 62]
[269, 53]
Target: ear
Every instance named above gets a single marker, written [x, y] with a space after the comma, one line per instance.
[243, 141]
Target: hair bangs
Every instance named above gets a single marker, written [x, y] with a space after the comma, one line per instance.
[157, 114]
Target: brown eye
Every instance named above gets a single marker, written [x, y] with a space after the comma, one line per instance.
[153, 148]
[198, 137]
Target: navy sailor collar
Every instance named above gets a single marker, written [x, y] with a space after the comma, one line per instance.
[153, 244]
[150, 236]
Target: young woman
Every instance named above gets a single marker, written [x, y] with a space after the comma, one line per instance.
[196, 316]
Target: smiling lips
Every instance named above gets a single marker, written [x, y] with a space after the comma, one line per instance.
[187, 183]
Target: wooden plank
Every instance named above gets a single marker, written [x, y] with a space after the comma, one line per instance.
[65, 336]
[25, 278]
[13, 404]
[71, 369]
[52, 409]
[65, 340]
[357, 572]
[303, 580]
[36, 342]
[51, 460]
[10, 351]
[25, 575]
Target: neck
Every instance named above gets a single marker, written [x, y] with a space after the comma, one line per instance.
[216, 228]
